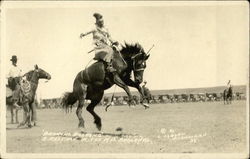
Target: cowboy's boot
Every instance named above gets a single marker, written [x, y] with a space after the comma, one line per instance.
[17, 106]
[110, 68]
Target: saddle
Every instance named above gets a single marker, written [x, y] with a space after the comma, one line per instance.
[103, 51]
[24, 87]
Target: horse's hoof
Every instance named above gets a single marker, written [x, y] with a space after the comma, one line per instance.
[99, 127]
[29, 126]
[146, 106]
[81, 125]
[82, 129]
[131, 102]
[18, 126]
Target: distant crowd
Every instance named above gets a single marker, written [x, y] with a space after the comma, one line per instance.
[154, 99]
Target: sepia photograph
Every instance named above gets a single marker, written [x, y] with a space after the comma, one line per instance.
[124, 79]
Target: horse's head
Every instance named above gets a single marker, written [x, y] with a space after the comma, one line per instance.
[41, 74]
[139, 65]
[138, 59]
[37, 74]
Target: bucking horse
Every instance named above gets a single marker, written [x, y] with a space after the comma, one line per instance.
[91, 82]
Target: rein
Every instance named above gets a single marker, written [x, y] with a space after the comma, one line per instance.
[31, 81]
[122, 58]
[27, 84]
[133, 59]
[139, 69]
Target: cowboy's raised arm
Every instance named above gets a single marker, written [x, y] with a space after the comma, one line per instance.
[84, 34]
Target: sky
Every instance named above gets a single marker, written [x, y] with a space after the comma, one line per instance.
[199, 45]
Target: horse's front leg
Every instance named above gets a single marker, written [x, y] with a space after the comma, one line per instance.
[33, 113]
[26, 116]
[118, 81]
[131, 83]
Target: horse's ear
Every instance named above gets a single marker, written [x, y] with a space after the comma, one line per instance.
[36, 67]
[126, 45]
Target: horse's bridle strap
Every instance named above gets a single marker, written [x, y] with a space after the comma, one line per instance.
[140, 69]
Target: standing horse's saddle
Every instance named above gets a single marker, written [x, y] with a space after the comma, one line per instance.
[25, 87]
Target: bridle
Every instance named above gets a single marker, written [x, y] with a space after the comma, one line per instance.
[139, 69]
[134, 63]
[32, 76]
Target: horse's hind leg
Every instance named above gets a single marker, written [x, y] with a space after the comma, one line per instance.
[97, 119]
[90, 108]
[12, 114]
[24, 116]
[79, 112]
[17, 116]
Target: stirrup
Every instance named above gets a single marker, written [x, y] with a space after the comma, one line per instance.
[17, 106]
[110, 68]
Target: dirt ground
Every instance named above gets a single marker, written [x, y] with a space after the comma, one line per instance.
[210, 127]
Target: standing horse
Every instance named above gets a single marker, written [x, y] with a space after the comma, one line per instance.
[228, 95]
[28, 95]
[91, 82]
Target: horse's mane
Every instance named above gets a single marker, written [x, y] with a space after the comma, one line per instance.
[129, 50]
[29, 75]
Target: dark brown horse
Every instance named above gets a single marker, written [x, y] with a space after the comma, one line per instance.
[91, 82]
[228, 95]
[27, 99]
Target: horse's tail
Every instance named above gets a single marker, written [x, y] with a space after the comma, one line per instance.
[79, 90]
[68, 99]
